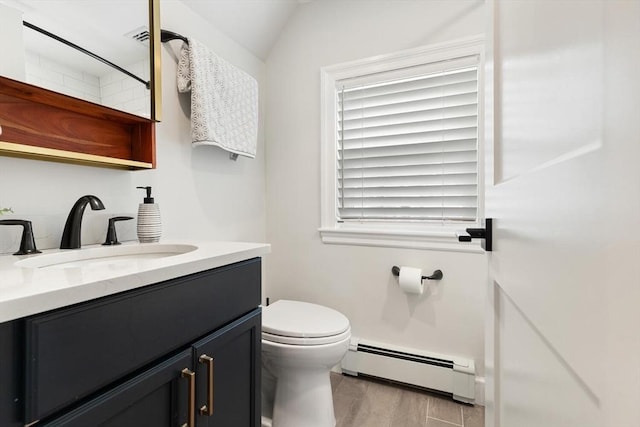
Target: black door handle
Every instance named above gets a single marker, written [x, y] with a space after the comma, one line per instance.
[485, 233]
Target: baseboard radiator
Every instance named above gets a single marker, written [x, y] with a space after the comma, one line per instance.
[445, 374]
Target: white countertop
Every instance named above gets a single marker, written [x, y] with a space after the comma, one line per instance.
[27, 290]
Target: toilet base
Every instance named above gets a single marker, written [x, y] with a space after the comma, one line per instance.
[304, 400]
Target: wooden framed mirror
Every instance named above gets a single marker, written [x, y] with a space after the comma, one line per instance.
[54, 122]
[97, 50]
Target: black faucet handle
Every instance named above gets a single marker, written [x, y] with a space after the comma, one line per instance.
[27, 242]
[112, 238]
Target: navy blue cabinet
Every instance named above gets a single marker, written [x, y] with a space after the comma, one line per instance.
[228, 373]
[157, 397]
[181, 352]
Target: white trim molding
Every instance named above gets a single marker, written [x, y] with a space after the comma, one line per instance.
[402, 235]
[396, 239]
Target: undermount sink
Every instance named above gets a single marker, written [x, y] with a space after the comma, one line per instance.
[105, 256]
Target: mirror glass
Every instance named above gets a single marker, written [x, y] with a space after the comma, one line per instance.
[115, 30]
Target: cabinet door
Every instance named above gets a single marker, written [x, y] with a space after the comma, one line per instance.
[123, 333]
[11, 388]
[228, 372]
[158, 397]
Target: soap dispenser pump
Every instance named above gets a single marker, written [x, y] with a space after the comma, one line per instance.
[149, 226]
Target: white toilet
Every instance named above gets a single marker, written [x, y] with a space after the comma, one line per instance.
[301, 342]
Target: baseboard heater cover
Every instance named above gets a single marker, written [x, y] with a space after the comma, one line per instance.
[432, 371]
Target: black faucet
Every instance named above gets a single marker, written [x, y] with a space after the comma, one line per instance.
[73, 226]
[27, 242]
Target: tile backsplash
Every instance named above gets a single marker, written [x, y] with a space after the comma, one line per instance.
[113, 88]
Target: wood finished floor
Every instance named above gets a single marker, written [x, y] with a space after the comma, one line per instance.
[363, 402]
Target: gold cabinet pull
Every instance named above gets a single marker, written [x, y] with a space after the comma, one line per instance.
[208, 408]
[191, 376]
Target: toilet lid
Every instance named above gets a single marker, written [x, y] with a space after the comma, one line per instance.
[298, 319]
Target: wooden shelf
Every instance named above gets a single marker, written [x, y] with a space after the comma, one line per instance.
[42, 124]
[40, 153]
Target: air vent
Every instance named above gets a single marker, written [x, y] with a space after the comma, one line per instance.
[140, 34]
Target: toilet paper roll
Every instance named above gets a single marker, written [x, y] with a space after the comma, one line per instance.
[411, 280]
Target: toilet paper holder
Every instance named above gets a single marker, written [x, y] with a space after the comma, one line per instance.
[437, 275]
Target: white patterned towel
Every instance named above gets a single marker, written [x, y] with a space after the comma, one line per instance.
[224, 100]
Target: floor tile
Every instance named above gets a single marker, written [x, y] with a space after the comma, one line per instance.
[473, 416]
[347, 400]
[411, 410]
[432, 422]
[364, 402]
[445, 409]
[336, 379]
[378, 405]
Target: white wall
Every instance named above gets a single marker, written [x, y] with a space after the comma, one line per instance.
[12, 61]
[202, 194]
[448, 317]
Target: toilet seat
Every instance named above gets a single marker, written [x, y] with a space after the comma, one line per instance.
[302, 323]
[280, 339]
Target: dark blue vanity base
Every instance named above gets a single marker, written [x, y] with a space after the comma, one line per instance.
[119, 360]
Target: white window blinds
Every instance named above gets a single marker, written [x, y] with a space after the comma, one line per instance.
[407, 144]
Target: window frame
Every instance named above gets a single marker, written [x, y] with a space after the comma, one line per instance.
[391, 234]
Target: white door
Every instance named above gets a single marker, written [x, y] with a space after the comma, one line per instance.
[563, 187]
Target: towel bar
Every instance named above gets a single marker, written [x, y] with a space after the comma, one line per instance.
[166, 35]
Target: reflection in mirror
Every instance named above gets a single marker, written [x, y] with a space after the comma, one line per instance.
[116, 30]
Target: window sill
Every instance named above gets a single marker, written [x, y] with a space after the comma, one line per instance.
[436, 240]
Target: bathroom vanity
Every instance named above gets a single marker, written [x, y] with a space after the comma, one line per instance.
[172, 341]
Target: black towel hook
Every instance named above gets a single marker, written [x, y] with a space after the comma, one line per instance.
[437, 275]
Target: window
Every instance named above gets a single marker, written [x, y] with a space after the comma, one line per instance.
[400, 147]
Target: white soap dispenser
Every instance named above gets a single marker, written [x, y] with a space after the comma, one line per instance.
[149, 225]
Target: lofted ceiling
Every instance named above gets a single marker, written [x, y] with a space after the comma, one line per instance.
[253, 24]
